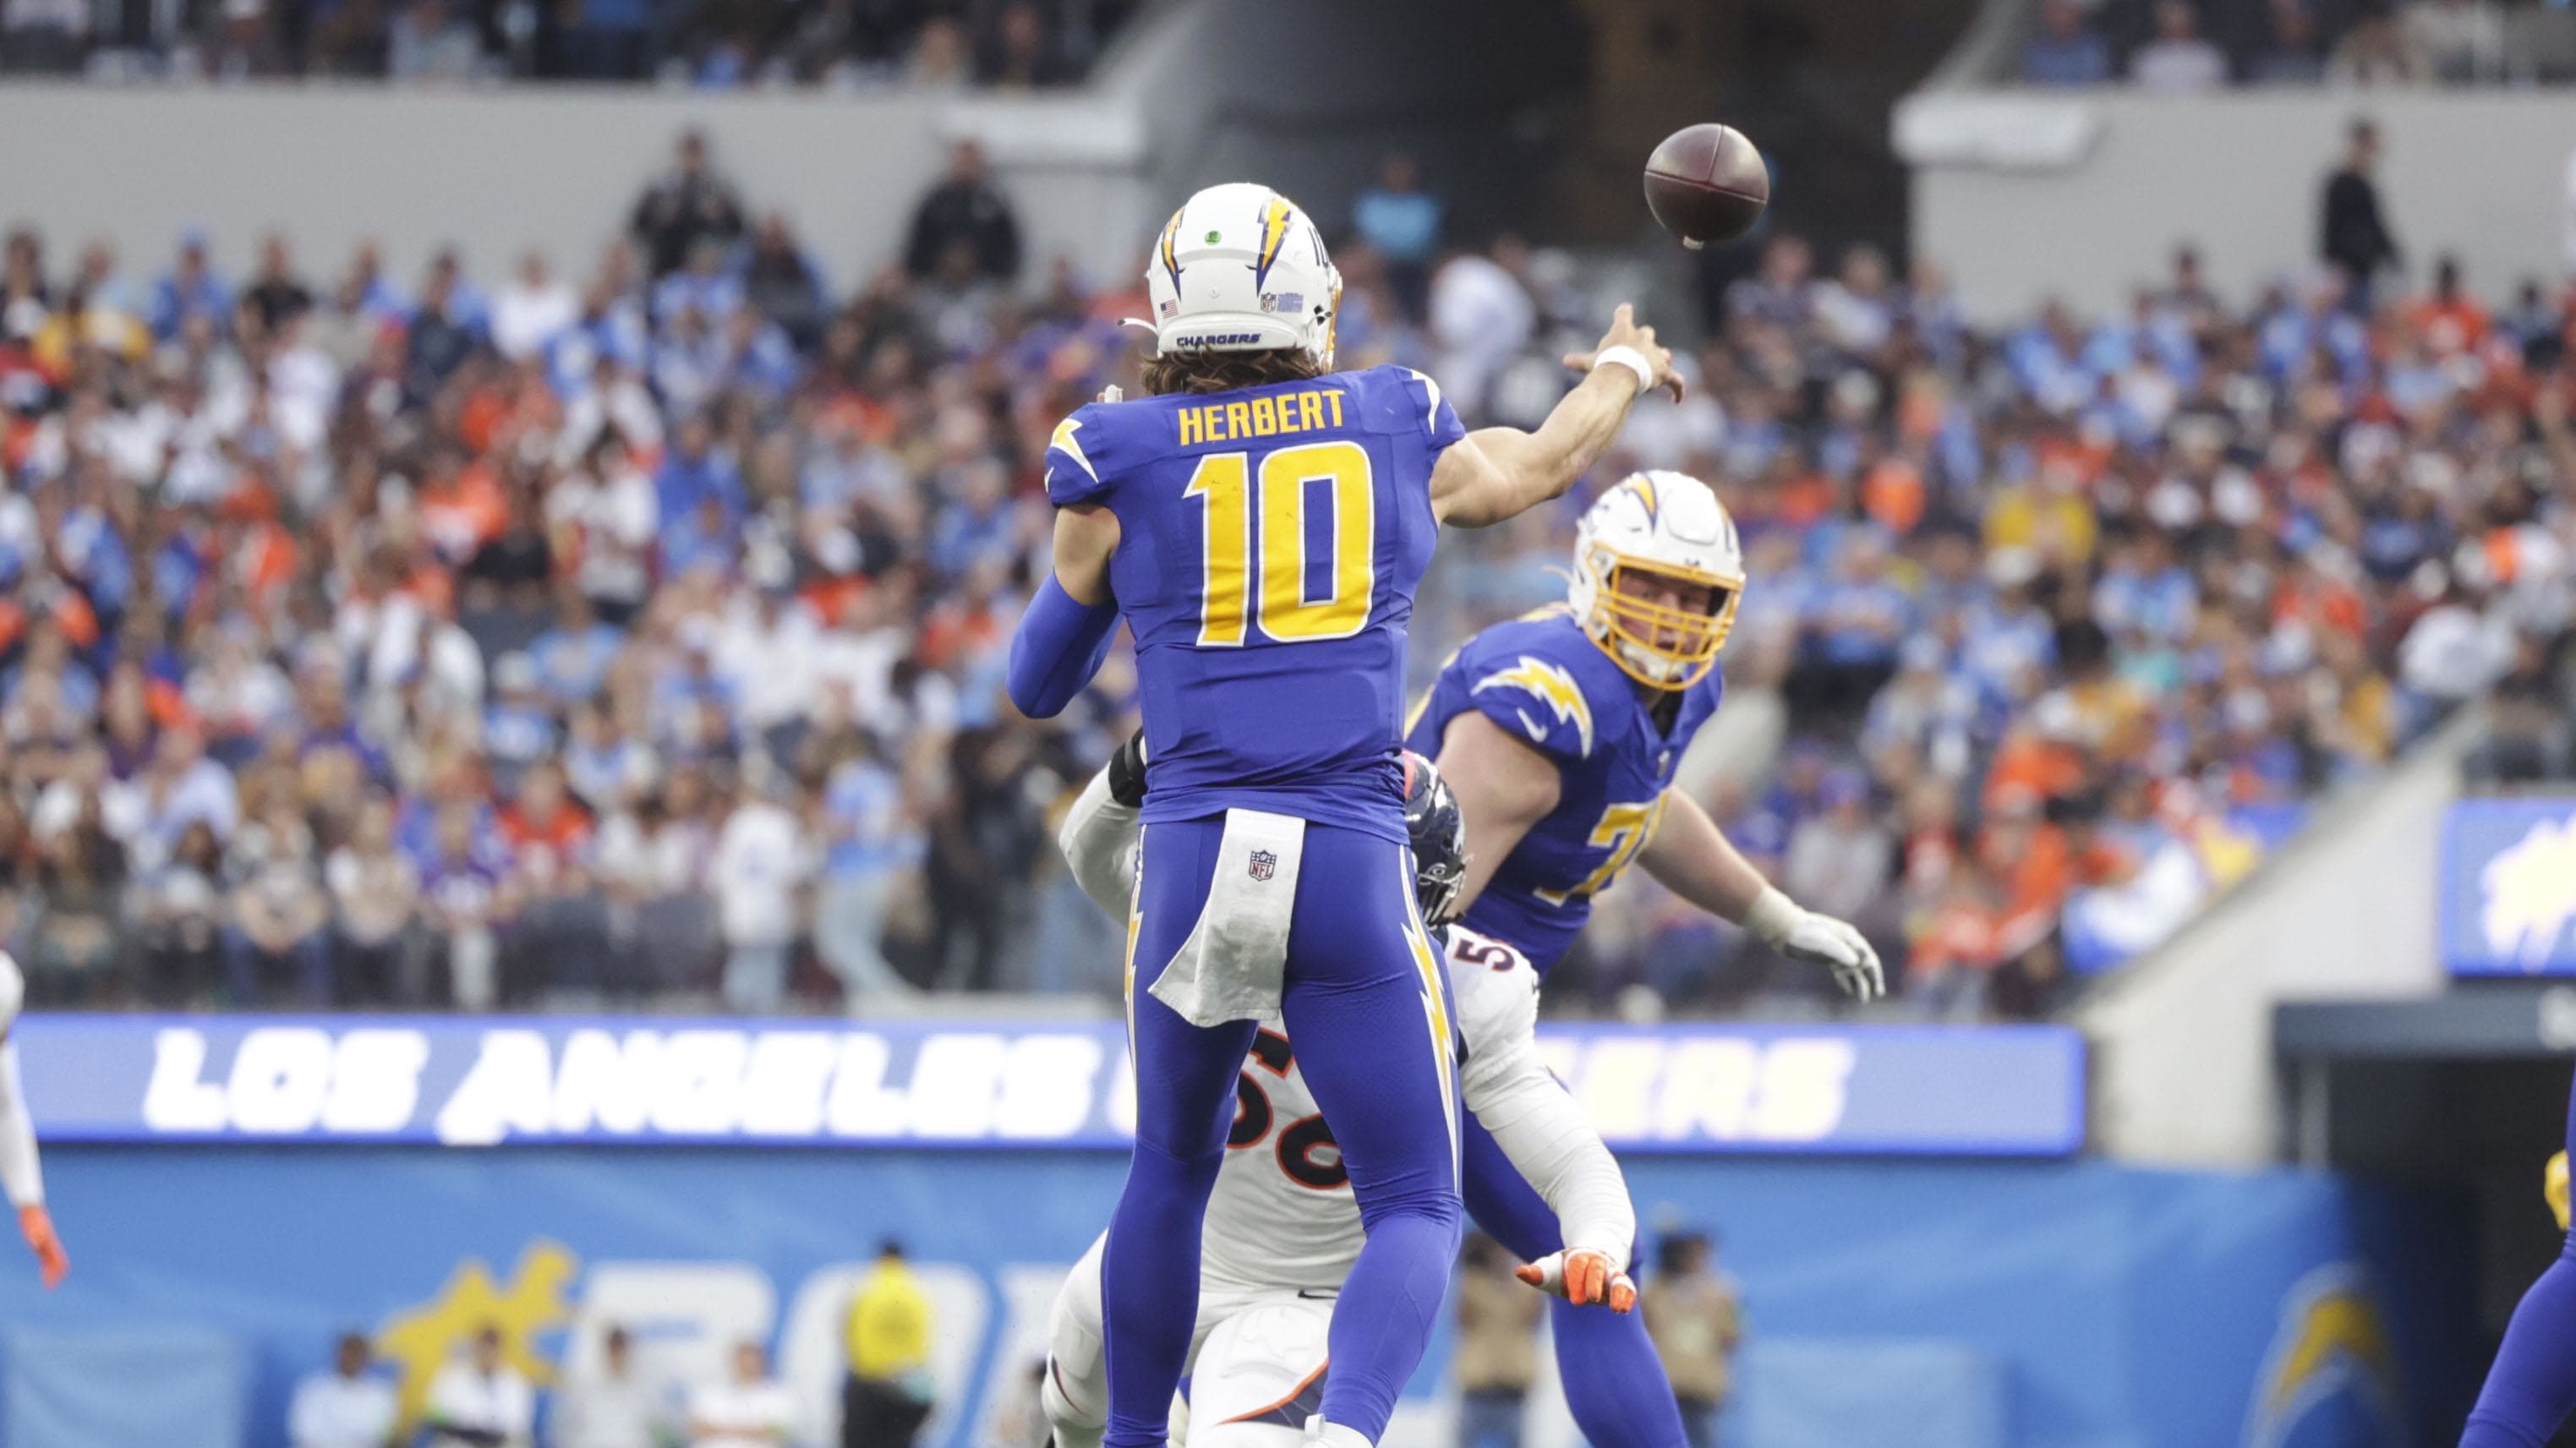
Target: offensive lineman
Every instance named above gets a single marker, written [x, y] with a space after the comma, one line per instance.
[1260, 523]
[1559, 732]
[1282, 1230]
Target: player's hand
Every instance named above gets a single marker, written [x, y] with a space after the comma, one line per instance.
[37, 1226]
[1127, 771]
[1823, 940]
[1803, 935]
[1627, 331]
[1584, 1278]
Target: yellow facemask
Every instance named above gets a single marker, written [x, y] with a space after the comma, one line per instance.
[1629, 626]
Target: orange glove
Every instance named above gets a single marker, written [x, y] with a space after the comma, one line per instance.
[37, 1226]
[1582, 1278]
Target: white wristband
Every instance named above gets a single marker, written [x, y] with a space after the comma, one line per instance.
[1630, 358]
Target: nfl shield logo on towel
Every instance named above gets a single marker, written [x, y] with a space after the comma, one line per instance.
[1264, 864]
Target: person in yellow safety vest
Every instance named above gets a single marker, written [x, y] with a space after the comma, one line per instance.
[887, 1394]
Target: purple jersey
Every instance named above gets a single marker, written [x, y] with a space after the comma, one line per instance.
[1543, 681]
[1269, 542]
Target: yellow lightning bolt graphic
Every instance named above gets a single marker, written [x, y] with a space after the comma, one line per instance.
[1550, 685]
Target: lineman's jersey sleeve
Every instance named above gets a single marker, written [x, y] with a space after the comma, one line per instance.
[1539, 1127]
[1099, 837]
[1531, 691]
[1079, 455]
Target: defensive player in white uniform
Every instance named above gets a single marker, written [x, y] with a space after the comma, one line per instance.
[1282, 1228]
[20, 1173]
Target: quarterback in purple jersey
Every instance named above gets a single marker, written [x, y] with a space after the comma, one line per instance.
[1559, 732]
[1259, 522]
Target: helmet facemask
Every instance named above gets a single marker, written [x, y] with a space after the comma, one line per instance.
[1660, 645]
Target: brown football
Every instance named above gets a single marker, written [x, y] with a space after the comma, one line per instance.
[1706, 183]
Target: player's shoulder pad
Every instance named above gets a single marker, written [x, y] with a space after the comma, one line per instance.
[1401, 400]
[1496, 993]
[1540, 678]
[1081, 453]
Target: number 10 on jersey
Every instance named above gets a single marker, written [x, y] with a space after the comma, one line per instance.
[1232, 603]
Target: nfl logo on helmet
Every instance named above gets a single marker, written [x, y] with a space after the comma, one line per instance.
[1263, 865]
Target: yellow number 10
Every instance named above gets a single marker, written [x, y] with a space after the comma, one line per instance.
[1287, 615]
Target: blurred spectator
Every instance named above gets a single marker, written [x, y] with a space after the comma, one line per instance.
[1841, 854]
[1496, 1357]
[2290, 53]
[2065, 50]
[180, 920]
[759, 874]
[1402, 221]
[1020, 53]
[80, 885]
[2351, 233]
[887, 1395]
[939, 58]
[2462, 40]
[466, 901]
[1696, 1320]
[561, 935]
[753, 1410]
[346, 1407]
[427, 43]
[532, 310]
[782, 285]
[277, 946]
[43, 36]
[871, 846]
[690, 203]
[276, 294]
[480, 1401]
[985, 839]
[2179, 59]
[374, 889]
[967, 212]
[190, 291]
[2377, 51]
[609, 1406]
[1482, 317]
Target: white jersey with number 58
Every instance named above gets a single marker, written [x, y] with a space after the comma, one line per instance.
[1282, 1214]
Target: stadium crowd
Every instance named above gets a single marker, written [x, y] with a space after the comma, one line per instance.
[2176, 47]
[501, 639]
[709, 44]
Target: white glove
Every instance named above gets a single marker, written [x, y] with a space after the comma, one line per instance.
[1804, 935]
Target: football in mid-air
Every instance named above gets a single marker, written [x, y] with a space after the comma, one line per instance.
[1706, 183]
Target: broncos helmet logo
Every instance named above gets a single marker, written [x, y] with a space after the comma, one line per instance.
[1551, 685]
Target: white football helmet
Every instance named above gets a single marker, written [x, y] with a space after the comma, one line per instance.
[1240, 269]
[1670, 526]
